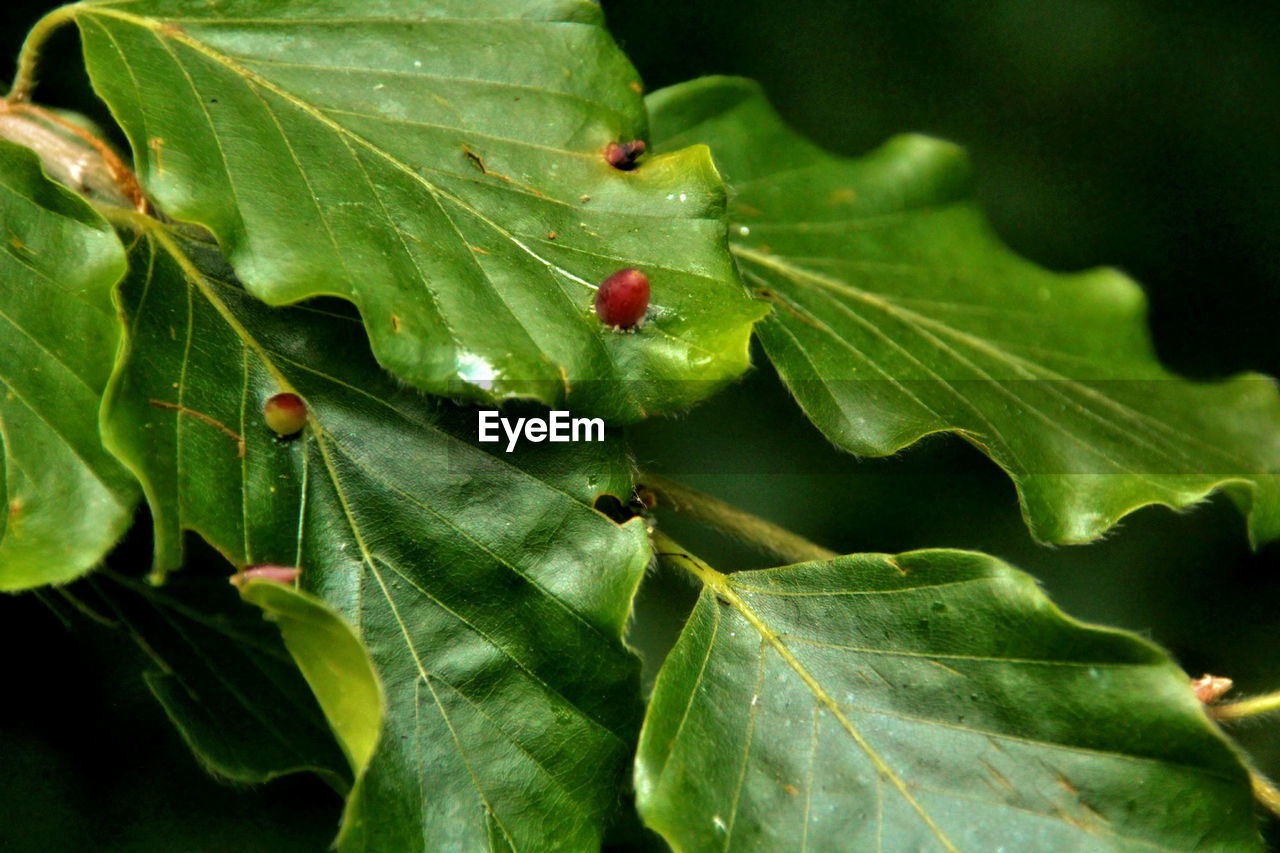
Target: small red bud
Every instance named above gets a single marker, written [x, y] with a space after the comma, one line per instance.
[277, 574]
[622, 155]
[623, 299]
[286, 414]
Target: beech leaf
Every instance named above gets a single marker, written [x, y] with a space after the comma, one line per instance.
[935, 700]
[442, 166]
[898, 314]
[67, 500]
[489, 593]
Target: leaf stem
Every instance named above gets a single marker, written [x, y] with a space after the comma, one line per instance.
[738, 523]
[1264, 792]
[668, 550]
[161, 233]
[1266, 704]
[24, 80]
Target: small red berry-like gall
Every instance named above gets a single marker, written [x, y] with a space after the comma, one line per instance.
[623, 155]
[623, 299]
[285, 413]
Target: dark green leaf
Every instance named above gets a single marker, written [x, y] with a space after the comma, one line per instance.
[490, 595]
[931, 701]
[440, 165]
[223, 676]
[68, 500]
[899, 314]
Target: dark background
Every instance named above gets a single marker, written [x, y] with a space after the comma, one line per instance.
[1136, 134]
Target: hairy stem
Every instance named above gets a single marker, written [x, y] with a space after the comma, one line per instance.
[1264, 792]
[737, 523]
[24, 81]
[670, 552]
[1266, 704]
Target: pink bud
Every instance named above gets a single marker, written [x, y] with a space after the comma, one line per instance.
[1210, 688]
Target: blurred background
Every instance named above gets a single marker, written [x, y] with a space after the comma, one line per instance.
[1143, 134]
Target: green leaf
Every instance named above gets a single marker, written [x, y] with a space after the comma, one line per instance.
[931, 701]
[898, 313]
[489, 593]
[223, 677]
[334, 663]
[67, 501]
[440, 165]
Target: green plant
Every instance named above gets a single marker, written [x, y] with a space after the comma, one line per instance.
[445, 171]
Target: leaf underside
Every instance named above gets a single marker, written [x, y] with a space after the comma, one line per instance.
[931, 701]
[898, 313]
[223, 677]
[440, 165]
[67, 500]
[491, 597]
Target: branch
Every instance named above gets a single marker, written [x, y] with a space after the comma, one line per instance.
[735, 522]
[1228, 711]
[24, 81]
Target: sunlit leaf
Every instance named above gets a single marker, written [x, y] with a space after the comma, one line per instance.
[490, 595]
[67, 501]
[334, 663]
[441, 165]
[931, 701]
[898, 313]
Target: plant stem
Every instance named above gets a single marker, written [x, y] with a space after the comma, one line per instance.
[668, 550]
[24, 81]
[1227, 711]
[737, 523]
[1264, 792]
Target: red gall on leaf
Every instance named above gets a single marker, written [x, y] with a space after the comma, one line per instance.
[623, 155]
[285, 413]
[623, 299]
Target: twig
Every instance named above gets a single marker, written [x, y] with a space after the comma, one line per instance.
[24, 81]
[736, 522]
[1266, 704]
